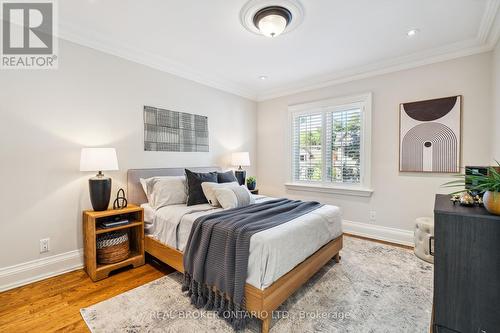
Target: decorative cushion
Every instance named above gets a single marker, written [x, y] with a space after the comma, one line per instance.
[232, 197]
[166, 191]
[208, 190]
[194, 181]
[226, 177]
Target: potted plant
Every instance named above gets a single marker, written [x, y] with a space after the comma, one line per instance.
[251, 183]
[489, 184]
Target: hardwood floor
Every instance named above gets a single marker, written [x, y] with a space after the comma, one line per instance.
[53, 305]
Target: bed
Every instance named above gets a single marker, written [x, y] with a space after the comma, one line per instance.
[281, 259]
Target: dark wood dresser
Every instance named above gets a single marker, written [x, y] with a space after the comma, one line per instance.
[466, 269]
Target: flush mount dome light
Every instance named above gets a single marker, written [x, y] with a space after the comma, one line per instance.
[271, 17]
[413, 32]
[272, 21]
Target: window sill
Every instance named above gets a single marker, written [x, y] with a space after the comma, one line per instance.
[343, 190]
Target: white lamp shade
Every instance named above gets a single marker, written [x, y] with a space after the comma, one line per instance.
[241, 159]
[98, 159]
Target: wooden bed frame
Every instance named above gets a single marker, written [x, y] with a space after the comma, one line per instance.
[259, 302]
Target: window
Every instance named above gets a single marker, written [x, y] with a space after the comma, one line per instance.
[343, 153]
[330, 143]
[308, 153]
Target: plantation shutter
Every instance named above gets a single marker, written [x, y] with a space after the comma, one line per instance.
[307, 148]
[343, 146]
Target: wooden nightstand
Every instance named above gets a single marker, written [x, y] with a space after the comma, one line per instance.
[256, 191]
[91, 229]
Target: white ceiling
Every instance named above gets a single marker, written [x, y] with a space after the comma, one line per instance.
[338, 40]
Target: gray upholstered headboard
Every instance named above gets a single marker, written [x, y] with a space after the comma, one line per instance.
[135, 193]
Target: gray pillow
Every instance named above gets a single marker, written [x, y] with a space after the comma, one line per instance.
[226, 177]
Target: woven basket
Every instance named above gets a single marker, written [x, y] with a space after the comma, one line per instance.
[112, 247]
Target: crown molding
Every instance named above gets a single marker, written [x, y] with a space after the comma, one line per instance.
[487, 27]
[485, 41]
[98, 41]
[494, 40]
[487, 38]
[493, 37]
[441, 54]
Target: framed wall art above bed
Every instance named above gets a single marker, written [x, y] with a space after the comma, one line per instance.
[430, 135]
[166, 130]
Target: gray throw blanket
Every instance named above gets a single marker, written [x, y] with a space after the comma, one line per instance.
[217, 251]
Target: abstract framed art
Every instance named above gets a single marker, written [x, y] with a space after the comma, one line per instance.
[430, 135]
[166, 130]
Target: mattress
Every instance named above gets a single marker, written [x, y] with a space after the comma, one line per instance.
[273, 252]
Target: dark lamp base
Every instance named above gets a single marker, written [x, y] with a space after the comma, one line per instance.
[240, 176]
[100, 192]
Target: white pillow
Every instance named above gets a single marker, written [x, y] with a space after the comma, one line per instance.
[144, 184]
[165, 191]
[232, 197]
[208, 189]
[148, 183]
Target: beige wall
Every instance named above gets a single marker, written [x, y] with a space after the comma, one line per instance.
[496, 103]
[398, 197]
[93, 99]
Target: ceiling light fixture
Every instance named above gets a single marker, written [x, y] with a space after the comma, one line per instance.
[272, 21]
[271, 18]
[412, 32]
[263, 77]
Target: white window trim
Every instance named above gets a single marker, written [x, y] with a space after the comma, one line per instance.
[364, 188]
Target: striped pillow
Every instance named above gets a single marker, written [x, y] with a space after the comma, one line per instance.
[209, 187]
[233, 197]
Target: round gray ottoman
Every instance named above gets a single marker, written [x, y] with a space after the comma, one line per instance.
[424, 230]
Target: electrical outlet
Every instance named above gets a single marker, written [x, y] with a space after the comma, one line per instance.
[44, 245]
[373, 215]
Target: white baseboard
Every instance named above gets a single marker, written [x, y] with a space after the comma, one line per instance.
[39, 269]
[36, 270]
[393, 235]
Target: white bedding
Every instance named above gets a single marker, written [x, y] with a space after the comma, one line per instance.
[273, 252]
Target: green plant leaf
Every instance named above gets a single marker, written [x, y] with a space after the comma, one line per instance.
[455, 182]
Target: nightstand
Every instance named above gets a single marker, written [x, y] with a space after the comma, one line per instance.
[256, 191]
[91, 228]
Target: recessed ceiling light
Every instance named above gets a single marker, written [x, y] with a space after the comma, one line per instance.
[263, 77]
[412, 32]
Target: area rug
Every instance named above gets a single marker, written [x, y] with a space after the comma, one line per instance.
[374, 288]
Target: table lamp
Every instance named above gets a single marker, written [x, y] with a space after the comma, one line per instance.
[99, 159]
[240, 159]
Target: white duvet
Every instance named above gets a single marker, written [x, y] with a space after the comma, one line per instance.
[273, 252]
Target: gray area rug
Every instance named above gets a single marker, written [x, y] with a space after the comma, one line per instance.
[375, 288]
